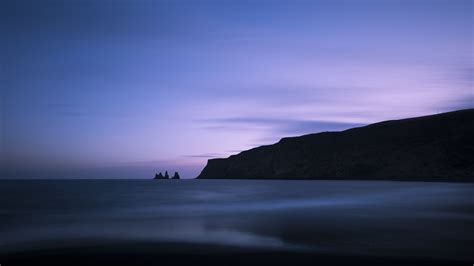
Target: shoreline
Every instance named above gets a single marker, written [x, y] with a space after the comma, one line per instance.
[440, 180]
[420, 180]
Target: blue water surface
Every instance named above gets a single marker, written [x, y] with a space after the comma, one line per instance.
[389, 218]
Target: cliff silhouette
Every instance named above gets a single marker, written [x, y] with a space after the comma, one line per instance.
[423, 148]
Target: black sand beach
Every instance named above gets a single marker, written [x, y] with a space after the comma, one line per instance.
[151, 253]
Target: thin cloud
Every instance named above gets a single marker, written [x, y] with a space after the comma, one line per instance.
[280, 127]
[204, 155]
[458, 104]
[79, 110]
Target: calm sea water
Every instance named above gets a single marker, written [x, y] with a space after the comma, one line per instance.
[429, 220]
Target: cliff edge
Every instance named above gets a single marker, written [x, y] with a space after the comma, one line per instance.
[431, 147]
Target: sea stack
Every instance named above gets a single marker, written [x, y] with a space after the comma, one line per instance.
[175, 176]
[159, 176]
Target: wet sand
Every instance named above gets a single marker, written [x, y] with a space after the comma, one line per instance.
[155, 253]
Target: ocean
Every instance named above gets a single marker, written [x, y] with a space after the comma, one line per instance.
[380, 218]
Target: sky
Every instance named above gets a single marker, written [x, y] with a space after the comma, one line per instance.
[124, 89]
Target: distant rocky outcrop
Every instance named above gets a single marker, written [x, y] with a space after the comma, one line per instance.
[175, 176]
[159, 176]
[166, 176]
[424, 148]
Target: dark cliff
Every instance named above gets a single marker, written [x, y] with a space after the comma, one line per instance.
[431, 147]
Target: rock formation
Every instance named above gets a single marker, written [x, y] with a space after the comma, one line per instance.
[424, 148]
[159, 176]
[175, 176]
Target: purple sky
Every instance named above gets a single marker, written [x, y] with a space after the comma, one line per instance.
[121, 89]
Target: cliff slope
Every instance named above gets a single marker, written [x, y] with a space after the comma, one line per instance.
[430, 147]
